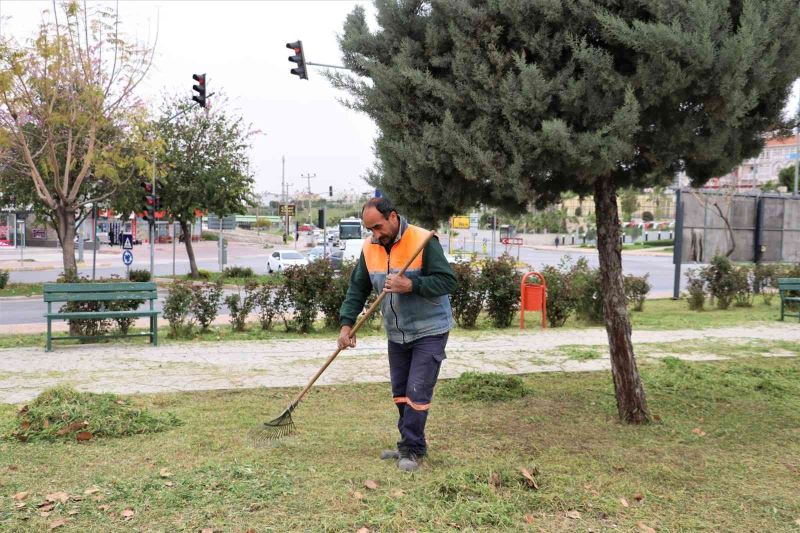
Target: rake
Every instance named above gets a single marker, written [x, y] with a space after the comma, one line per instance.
[284, 425]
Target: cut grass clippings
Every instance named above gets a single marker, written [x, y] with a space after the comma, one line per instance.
[723, 454]
[62, 413]
[484, 386]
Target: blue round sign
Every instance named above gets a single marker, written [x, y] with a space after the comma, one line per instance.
[127, 257]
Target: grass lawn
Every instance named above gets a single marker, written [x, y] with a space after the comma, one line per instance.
[21, 289]
[723, 454]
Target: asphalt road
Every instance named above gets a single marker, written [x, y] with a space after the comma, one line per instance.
[30, 310]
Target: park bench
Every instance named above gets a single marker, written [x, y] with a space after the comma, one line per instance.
[789, 289]
[89, 292]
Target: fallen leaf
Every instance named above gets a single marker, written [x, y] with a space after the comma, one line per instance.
[529, 478]
[46, 423]
[127, 514]
[46, 506]
[644, 528]
[20, 437]
[73, 512]
[21, 495]
[397, 493]
[624, 502]
[363, 530]
[169, 483]
[57, 497]
[699, 432]
[797, 521]
[370, 484]
[638, 497]
[358, 496]
[207, 530]
[251, 530]
[494, 480]
[21, 410]
[91, 490]
[120, 402]
[84, 436]
[529, 519]
[74, 426]
[13, 468]
[58, 523]
[575, 515]
[19, 505]
[104, 507]
[44, 514]
[24, 425]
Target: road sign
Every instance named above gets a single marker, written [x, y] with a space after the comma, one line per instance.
[228, 222]
[127, 241]
[284, 207]
[460, 222]
[512, 240]
[474, 219]
[127, 257]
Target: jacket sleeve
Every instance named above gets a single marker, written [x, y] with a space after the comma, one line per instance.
[357, 294]
[437, 277]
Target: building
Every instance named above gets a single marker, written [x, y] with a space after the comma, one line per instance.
[757, 171]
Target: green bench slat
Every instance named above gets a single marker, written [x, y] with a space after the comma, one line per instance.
[100, 287]
[99, 296]
[99, 315]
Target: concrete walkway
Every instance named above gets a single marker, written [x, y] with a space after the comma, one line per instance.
[126, 368]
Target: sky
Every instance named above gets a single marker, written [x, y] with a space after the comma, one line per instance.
[241, 46]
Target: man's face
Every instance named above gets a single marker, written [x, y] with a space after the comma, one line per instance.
[383, 230]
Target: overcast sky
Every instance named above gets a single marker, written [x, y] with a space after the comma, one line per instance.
[241, 47]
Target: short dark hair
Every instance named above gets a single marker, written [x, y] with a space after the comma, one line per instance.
[383, 205]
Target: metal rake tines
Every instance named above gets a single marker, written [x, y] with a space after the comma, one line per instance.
[274, 429]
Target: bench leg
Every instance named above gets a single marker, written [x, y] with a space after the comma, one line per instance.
[49, 347]
[781, 309]
[154, 330]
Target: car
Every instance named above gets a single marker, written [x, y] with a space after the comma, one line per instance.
[456, 259]
[281, 259]
[334, 255]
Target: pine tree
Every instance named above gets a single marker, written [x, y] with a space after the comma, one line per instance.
[512, 102]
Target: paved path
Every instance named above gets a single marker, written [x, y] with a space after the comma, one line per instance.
[24, 372]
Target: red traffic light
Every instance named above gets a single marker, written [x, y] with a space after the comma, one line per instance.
[199, 78]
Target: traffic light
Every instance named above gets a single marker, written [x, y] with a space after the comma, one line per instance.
[320, 218]
[200, 97]
[149, 200]
[330, 191]
[300, 58]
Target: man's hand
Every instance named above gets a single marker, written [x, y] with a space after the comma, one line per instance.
[345, 341]
[397, 284]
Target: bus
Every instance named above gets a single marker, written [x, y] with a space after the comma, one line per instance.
[351, 237]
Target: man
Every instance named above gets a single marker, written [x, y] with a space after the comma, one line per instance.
[416, 315]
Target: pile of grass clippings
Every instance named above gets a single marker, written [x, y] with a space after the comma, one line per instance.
[486, 387]
[62, 413]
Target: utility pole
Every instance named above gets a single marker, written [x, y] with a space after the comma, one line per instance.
[153, 225]
[308, 177]
[284, 195]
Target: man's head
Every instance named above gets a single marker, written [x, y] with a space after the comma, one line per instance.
[381, 218]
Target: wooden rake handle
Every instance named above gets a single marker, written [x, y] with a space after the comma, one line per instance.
[361, 321]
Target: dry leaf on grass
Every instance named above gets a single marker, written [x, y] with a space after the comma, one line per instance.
[164, 472]
[797, 521]
[73, 512]
[699, 432]
[644, 528]
[58, 523]
[57, 497]
[19, 505]
[46, 506]
[575, 515]
[251, 530]
[624, 502]
[75, 426]
[169, 483]
[529, 519]
[129, 513]
[358, 496]
[396, 493]
[104, 507]
[21, 496]
[83, 436]
[529, 478]
[91, 490]
[22, 409]
[207, 530]
[363, 530]
[370, 484]
[494, 480]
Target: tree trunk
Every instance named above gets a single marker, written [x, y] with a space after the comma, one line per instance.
[65, 219]
[187, 240]
[631, 403]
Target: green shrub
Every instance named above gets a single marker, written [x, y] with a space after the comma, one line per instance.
[743, 286]
[467, 298]
[560, 295]
[139, 275]
[301, 291]
[62, 413]
[238, 272]
[485, 387]
[647, 216]
[696, 294]
[4, 275]
[206, 299]
[720, 280]
[587, 288]
[241, 306]
[123, 323]
[209, 236]
[501, 280]
[331, 299]
[270, 304]
[177, 309]
[636, 290]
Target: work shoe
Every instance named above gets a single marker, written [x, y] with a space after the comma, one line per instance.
[390, 454]
[409, 461]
